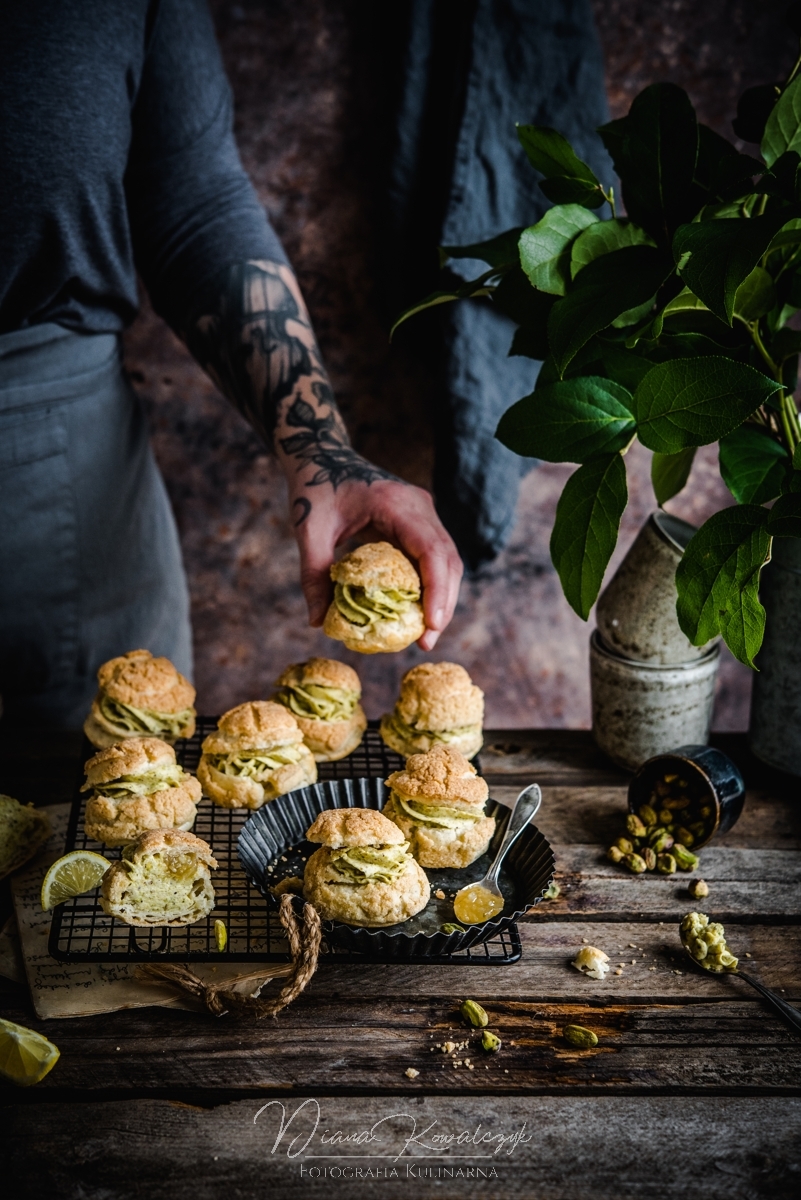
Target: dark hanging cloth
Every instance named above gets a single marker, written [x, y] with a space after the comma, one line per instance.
[472, 69]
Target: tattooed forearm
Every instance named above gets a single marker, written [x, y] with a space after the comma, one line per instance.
[260, 349]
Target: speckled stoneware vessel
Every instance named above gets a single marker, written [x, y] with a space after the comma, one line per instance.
[774, 734]
[636, 613]
[640, 709]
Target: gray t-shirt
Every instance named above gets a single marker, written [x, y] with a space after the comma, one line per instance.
[116, 156]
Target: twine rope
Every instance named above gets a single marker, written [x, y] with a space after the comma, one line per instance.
[218, 998]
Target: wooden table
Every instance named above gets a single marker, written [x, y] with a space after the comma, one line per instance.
[693, 1089]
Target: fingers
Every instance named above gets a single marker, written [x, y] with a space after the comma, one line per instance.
[316, 538]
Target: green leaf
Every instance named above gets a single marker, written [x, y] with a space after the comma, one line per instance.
[603, 238]
[718, 581]
[586, 527]
[499, 251]
[670, 472]
[694, 401]
[572, 191]
[530, 341]
[605, 289]
[752, 465]
[569, 421]
[516, 298]
[654, 149]
[784, 519]
[753, 109]
[755, 296]
[469, 291]
[545, 247]
[783, 126]
[552, 155]
[714, 257]
[785, 344]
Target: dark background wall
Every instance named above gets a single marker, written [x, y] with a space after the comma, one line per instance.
[305, 79]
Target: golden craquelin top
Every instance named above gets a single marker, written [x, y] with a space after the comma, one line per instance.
[377, 565]
[339, 827]
[323, 696]
[140, 695]
[321, 672]
[438, 705]
[442, 774]
[254, 725]
[135, 756]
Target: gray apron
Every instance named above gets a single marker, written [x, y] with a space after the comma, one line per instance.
[90, 563]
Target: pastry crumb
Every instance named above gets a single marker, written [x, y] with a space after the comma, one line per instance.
[410, 1073]
[439, 894]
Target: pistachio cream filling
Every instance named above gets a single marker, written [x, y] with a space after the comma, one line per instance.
[128, 719]
[436, 814]
[370, 864]
[255, 764]
[318, 703]
[367, 606]
[144, 783]
[408, 733]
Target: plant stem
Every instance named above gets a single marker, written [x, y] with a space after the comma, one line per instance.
[610, 200]
[787, 411]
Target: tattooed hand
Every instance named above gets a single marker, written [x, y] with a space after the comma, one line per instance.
[260, 349]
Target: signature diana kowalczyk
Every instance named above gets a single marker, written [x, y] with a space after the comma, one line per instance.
[302, 1135]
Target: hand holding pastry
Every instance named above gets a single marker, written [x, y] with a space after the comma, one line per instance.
[376, 606]
[385, 509]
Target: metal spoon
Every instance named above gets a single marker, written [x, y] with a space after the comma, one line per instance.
[791, 1015]
[526, 807]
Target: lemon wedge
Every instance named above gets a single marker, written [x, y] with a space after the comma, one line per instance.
[75, 873]
[220, 935]
[25, 1056]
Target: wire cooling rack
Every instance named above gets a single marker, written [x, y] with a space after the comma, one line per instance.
[82, 932]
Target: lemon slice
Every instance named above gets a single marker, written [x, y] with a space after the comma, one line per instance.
[25, 1056]
[220, 935]
[75, 873]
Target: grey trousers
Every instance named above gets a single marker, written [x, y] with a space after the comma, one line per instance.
[90, 563]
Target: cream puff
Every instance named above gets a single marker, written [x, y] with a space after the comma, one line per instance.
[438, 705]
[437, 801]
[363, 873]
[376, 606]
[323, 696]
[23, 829]
[140, 696]
[137, 785]
[163, 878]
[256, 754]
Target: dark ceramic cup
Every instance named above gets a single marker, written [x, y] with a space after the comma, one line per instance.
[706, 778]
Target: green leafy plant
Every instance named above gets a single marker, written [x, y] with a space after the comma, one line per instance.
[671, 324]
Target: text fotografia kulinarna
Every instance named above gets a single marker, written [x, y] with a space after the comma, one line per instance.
[408, 1170]
[394, 1136]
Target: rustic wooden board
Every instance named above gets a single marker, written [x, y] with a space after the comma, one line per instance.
[568, 1148]
[345, 1045]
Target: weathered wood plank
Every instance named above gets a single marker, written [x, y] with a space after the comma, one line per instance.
[568, 1148]
[597, 815]
[337, 1046]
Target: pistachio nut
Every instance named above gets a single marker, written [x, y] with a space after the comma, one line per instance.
[649, 858]
[635, 826]
[706, 942]
[705, 811]
[614, 854]
[665, 816]
[685, 859]
[663, 843]
[647, 815]
[552, 891]
[684, 836]
[472, 1011]
[624, 845]
[656, 834]
[490, 1042]
[450, 927]
[577, 1035]
[698, 828]
[635, 863]
[698, 888]
[666, 864]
